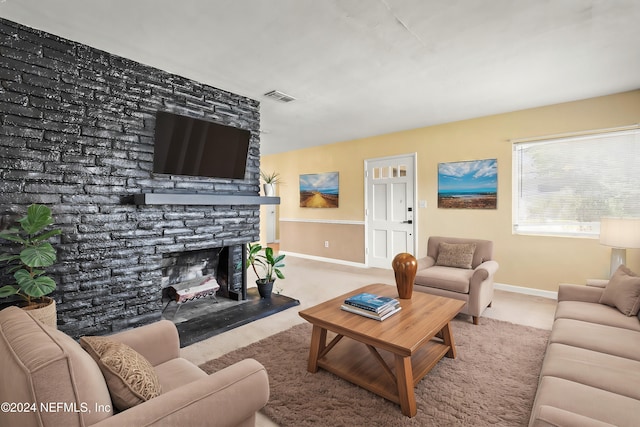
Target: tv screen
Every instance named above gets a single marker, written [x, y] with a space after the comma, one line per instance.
[195, 147]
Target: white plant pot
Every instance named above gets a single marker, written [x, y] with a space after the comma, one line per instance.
[269, 190]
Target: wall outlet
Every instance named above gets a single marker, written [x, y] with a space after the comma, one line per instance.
[326, 243]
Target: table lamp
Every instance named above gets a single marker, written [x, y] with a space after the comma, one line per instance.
[620, 234]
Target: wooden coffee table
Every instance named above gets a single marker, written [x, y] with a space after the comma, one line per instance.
[390, 357]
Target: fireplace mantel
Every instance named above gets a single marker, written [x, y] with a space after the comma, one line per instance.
[202, 199]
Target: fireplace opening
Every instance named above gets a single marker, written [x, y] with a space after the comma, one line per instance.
[180, 267]
[184, 272]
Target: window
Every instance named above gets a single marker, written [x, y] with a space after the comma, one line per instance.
[390, 172]
[563, 186]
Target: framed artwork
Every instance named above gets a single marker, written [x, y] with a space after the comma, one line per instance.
[319, 190]
[468, 185]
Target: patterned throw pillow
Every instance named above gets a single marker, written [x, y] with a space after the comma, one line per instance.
[458, 255]
[623, 291]
[129, 376]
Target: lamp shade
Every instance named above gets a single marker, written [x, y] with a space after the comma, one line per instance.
[620, 232]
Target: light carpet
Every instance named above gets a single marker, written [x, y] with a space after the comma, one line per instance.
[492, 382]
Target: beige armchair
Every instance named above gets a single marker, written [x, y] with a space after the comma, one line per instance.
[459, 268]
[52, 381]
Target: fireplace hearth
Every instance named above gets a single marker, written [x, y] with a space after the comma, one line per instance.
[200, 319]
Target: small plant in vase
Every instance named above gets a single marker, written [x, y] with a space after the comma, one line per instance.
[263, 259]
[270, 181]
[32, 254]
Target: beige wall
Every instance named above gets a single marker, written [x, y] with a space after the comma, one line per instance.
[344, 240]
[531, 261]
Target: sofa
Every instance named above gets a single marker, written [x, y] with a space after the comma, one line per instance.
[461, 269]
[48, 379]
[591, 370]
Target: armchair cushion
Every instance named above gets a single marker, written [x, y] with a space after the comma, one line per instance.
[459, 255]
[129, 376]
[451, 279]
[623, 291]
[176, 373]
[158, 342]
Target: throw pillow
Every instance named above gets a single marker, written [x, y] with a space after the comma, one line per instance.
[130, 377]
[623, 291]
[458, 255]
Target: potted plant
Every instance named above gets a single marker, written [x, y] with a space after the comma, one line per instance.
[270, 265]
[270, 181]
[27, 262]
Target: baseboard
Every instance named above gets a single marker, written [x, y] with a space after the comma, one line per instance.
[323, 259]
[526, 291]
[499, 286]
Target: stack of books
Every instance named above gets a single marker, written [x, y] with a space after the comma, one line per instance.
[371, 305]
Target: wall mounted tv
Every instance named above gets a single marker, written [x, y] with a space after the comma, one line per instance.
[195, 147]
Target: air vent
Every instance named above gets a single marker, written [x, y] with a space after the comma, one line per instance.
[279, 96]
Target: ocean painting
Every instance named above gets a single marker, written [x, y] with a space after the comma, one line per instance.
[319, 190]
[468, 185]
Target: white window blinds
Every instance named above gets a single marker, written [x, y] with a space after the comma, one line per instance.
[563, 186]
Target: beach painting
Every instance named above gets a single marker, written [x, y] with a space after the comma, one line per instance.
[319, 190]
[468, 185]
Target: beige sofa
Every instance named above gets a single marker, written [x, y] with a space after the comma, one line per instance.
[466, 275]
[49, 380]
[591, 371]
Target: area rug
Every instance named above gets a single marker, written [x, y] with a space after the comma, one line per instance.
[492, 382]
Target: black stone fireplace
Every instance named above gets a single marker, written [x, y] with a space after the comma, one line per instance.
[77, 134]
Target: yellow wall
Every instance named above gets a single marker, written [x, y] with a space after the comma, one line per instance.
[530, 261]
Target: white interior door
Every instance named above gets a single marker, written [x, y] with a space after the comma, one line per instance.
[390, 195]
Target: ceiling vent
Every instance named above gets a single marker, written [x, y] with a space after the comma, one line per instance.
[279, 96]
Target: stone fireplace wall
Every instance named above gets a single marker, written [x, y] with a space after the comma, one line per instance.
[77, 135]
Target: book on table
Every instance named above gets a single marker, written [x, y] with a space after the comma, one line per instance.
[371, 314]
[371, 302]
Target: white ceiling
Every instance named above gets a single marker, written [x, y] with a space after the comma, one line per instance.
[365, 67]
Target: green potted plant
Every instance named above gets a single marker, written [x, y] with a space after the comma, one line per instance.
[269, 265]
[31, 254]
[270, 181]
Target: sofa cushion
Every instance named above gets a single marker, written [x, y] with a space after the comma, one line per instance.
[450, 279]
[129, 376]
[458, 255]
[550, 416]
[600, 370]
[592, 336]
[623, 291]
[596, 313]
[42, 364]
[590, 402]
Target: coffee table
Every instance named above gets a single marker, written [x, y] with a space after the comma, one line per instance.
[387, 358]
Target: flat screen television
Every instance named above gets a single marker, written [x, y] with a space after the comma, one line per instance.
[196, 147]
